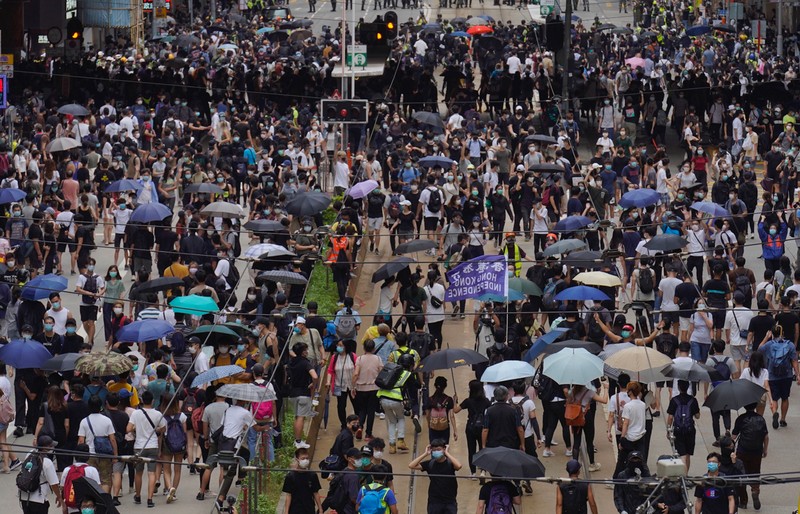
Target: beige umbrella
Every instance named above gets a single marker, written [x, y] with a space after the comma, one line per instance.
[299, 35]
[598, 278]
[642, 362]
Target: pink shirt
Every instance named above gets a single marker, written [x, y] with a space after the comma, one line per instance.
[70, 188]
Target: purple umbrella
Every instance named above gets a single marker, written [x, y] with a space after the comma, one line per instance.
[362, 189]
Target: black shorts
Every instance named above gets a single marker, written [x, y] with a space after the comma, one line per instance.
[684, 442]
[431, 222]
[780, 388]
[669, 318]
[118, 240]
[89, 312]
[719, 318]
[65, 242]
[502, 178]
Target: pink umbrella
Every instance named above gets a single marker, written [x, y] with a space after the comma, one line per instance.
[635, 62]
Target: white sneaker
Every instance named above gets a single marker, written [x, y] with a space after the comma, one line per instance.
[301, 444]
[568, 452]
[547, 453]
[473, 477]
[553, 442]
[594, 467]
[381, 415]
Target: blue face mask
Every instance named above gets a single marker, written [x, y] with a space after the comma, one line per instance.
[112, 274]
[339, 349]
[48, 326]
[626, 333]
[713, 467]
[122, 206]
[87, 510]
[71, 330]
[437, 454]
[241, 348]
[296, 330]
[772, 231]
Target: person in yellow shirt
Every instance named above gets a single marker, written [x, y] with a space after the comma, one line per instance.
[380, 330]
[177, 270]
[121, 383]
[222, 357]
[246, 357]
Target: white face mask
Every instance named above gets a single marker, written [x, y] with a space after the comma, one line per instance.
[223, 349]
[303, 463]
[117, 310]
[251, 297]
[192, 350]
[377, 454]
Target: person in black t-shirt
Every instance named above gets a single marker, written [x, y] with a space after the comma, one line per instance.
[36, 236]
[760, 325]
[476, 405]
[788, 320]
[717, 292]
[302, 487]
[443, 489]
[301, 389]
[501, 425]
[485, 495]
[710, 499]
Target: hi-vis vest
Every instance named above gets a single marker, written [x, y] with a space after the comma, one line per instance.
[395, 393]
[516, 258]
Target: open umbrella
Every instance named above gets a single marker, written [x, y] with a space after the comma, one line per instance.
[508, 462]
[606, 26]
[308, 204]
[24, 354]
[417, 245]
[216, 373]
[74, 110]
[564, 246]
[573, 223]
[547, 168]
[598, 278]
[246, 393]
[242, 330]
[145, 330]
[635, 62]
[300, 35]
[692, 371]
[121, 186]
[538, 347]
[584, 259]
[511, 296]
[436, 160]
[642, 363]
[228, 46]
[573, 366]
[710, 208]
[150, 212]
[541, 138]
[97, 364]
[459, 33]
[264, 30]
[223, 210]
[698, 30]
[506, 371]
[525, 286]
[194, 304]
[159, 284]
[62, 362]
[666, 243]
[613, 348]
[264, 250]
[263, 226]
[62, 144]
[458, 19]
[429, 118]
[278, 36]
[391, 268]
[451, 358]
[733, 395]
[284, 277]
[589, 346]
[362, 189]
[187, 40]
[477, 30]
[490, 42]
[204, 188]
[215, 334]
[639, 198]
[581, 293]
[621, 30]
[486, 17]
[40, 287]
[475, 21]
[87, 488]
[11, 195]
[725, 27]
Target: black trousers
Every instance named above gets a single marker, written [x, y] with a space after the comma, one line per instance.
[474, 444]
[366, 404]
[553, 415]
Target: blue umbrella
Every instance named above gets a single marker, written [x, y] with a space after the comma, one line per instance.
[148, 212]
[435, 160]
[40, 287]
[431, 26]
[216, 373]
[581, 293]
[512, 296]
[22, 354]
[11, 195]
[540, 344]
[698, 30]
[573, 223]
[507, 370]
[710, 208]
[264, 30]
[639, 198]
[120, 186]
[460, 33]
[144, 330]
[486, 17]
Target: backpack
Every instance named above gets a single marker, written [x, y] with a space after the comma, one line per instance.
[520, 408]
[780, 359]
[742, 284]
[499, 500]
[7, 413]
[761, 294]
[197, 419]
[646, 284]
[338, 497]
[389, 375]
[723, 369]
[434, 200]
[237, 246]
[102, 443]
[787, 283]
[176, 436]
[573, 497]
[574, 414]
[682, 420]
[233, 275]
[438, 418]
[375, 200]
[29, 476]
[75, 471]
[4, 164]
[549, 301]
[90, 285]
[394, 206]
[421, 343]
[751, 434]
[373, 501]
[546, 197]
[594, 332]
[329, 341]
[346, 329]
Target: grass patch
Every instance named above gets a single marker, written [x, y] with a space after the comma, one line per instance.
[329, 215]
[268, 500]
[322, 289]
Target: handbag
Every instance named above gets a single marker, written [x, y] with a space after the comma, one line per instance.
[742, 333]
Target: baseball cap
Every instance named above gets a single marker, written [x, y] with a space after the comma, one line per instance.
[366, 450]
[627, 326]
[405, 202]
[300, 319]
[520, 167]
[45, 441]
[573, 466]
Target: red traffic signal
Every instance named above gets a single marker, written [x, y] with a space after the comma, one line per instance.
[344, 111]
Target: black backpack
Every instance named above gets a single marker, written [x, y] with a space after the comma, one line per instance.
[90, 285]
[233, 275]
[574, 497]
[434, 200]
[743, 284]
[28, 479]
[421, 342]
[338, 497]
[646, 281]
[722, 368]
[237, 248]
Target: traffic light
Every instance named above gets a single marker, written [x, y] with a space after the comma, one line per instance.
[373, 34]
[74, 29]
[392, 27]
[344, 111]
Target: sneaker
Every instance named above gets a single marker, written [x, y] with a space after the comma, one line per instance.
[568, 452]
[595, 467]
[150, 504]
[117, 503]
[548, 453]
[302, 444]
[155, 489]
[775, 420]
[15, 464]
[553, 442]
[756, 502]
[137, 500]
[417, 426]
[359, 434]
[783, 424]
[715, 443]
[473, 477]
[526, 486]
[200, 497]
[19, 431]
[381, 415]
[171, 495]
[392, 448]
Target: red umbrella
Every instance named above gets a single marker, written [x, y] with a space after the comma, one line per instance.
[479, 29]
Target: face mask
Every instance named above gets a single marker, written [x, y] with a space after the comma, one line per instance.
[724, 177]
[499, 346]
[713, 467]
[414, 188]
[236, 140]
[186, 175]
[48, 326]
[71, 330]
[17, 214]
[223, 349]
[307, 228]
[296, 330]
[635, 215]
[192, 270]
[475, 193]
[251, 297]
[146, 178]
[90, 267]
[112, 274]
[626, 333]
[681, 196]
[56, 305]
[240, 348]
[437, 454]
[773, 231]
[88, 510]
[220, 179]
[357, 464]
[696, 226]
[450, 178]
[117, 310]
[303, 463]
[27, 336]
[11, 263]
[340, 349]
[775, 198]
[499, 191]
[267, 212]
[192, 350]
[700, 152]
[377, 454]
[701, 306]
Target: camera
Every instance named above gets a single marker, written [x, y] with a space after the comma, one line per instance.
[486, 318]
[231, 505]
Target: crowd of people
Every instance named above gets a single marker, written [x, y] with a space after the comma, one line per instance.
[223, 109]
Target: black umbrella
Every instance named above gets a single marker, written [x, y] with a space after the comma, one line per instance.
[693, 372]
[87, 488]
[278, 36]
[451, 358]
[160, 284]
[547, 168]
[541, 138]
[490, 42]
[589, 346]
[458, 19]
[63, 362]
[204, 188]
[508, 462]
[429, 118]
[284, 277]
[584, 259]
[305, 23]
[606, 26]
[218, 28]
[391, 268]
[308, 204]
[621, 30]
[725, 27]
[733, 395]
[187, 40]
[417, 245]
[74, 110]
[264, 226]
[666, 243]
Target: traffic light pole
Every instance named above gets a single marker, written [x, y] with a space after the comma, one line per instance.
[345, 93]
[567, 49]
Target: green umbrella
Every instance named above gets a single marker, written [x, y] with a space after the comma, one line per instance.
[214, 334]
[194, 304]
[524, 286]
[241, 330]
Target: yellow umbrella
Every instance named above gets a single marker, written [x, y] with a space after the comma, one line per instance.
[598, 278]
[642, 362]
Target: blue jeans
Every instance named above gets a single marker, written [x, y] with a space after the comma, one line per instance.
[700, 351]
[252, 438]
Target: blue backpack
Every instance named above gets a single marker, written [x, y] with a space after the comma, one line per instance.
[330, 339]
[176, 437]
[779, 358]
[373, 501]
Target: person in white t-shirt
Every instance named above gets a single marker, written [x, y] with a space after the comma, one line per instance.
[147, 423]
[201, 360]
[434, 312]
[669, 309]
[37, 500]
[737, 322]
[617, 402]
[633, 423]
[95, 426]
[757, 373]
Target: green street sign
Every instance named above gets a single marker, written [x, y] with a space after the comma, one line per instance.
[356, 56]
[545, 10]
